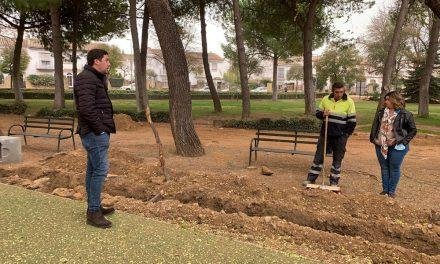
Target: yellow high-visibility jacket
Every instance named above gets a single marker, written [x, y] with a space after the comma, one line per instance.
[342, 118]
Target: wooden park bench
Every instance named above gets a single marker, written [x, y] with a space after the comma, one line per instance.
[45, 127]
[283, 142]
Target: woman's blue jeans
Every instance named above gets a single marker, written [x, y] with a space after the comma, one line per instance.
[97, 167]
[390, 167]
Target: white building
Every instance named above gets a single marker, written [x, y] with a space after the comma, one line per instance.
[42, 62]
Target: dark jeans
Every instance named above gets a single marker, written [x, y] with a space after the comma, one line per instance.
[97, 167]
[390, 167]
[335, 145]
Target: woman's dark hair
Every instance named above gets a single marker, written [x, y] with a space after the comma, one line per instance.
[396, 99]
[95, 54]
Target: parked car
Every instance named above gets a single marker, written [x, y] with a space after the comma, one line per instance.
[260, 89]
[129, 87]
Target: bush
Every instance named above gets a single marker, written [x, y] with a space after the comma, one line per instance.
[16, 108]
[153, 95]
[116, 82]
[56, 113]
[41, 80]
[157, 117]
[304, 124]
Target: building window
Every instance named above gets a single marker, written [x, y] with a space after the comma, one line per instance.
[45, 63]
[69, 77]
[214, 66]
[280, 74]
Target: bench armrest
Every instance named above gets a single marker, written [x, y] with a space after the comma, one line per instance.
[65, 129]
[16, 125]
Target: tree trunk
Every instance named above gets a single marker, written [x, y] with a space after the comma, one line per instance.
[75, 39]
[434, 5]
[213, 91]
[140, 102]
[392, 52]
[144, 50]
[274, 78]
[185, 138]
[246, 102]
[429, 66]
[309, 89]
[58, 102]
[16, 61]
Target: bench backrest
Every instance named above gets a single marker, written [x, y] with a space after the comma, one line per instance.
[294, 136]
[49, 123]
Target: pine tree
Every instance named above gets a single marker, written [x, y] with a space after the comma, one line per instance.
[412, 84]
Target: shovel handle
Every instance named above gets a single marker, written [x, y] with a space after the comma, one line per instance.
[325, 149]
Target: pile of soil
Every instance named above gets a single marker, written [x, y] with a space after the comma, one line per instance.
[124, 122]
[219, 192]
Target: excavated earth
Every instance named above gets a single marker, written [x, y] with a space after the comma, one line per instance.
[218, 192]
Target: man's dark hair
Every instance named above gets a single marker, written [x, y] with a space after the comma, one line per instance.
[95, 54]
[337, 85]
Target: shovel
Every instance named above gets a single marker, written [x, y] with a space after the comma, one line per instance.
[323, 186]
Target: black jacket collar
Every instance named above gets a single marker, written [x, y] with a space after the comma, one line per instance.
[344, 97]
[100, 75]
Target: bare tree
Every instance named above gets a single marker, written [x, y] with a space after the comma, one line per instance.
[431, 56]
[185, 138]
[58, 102]
[392, 51]
[246, 102]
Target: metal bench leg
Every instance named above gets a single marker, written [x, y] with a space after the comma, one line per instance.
[58, 150]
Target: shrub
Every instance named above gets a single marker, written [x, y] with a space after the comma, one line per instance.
[41, 80]
[45, 111]
[305, 124]
[157, 117]
[16, 108]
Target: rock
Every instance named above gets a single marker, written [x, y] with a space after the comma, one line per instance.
[110, 201]
[38, 183]
[80, 189]
[266, 171]
[251, 167]
[430, 226]
[267, 219]
[63, 192]
[78, 196]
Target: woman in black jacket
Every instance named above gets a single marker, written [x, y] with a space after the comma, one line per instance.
[393, 128]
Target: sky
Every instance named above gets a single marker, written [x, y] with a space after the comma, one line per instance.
[353, 27]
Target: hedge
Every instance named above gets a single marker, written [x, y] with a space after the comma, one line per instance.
[15, 108]
[302, 124]
[41, 80]
[154, 95]
[158, 117]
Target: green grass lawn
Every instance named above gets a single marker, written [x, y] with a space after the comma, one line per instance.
[259, 108]
[41, 228]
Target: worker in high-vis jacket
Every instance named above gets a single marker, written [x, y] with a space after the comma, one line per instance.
[341, 114]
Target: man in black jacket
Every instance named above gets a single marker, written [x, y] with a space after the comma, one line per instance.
[95, 123]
